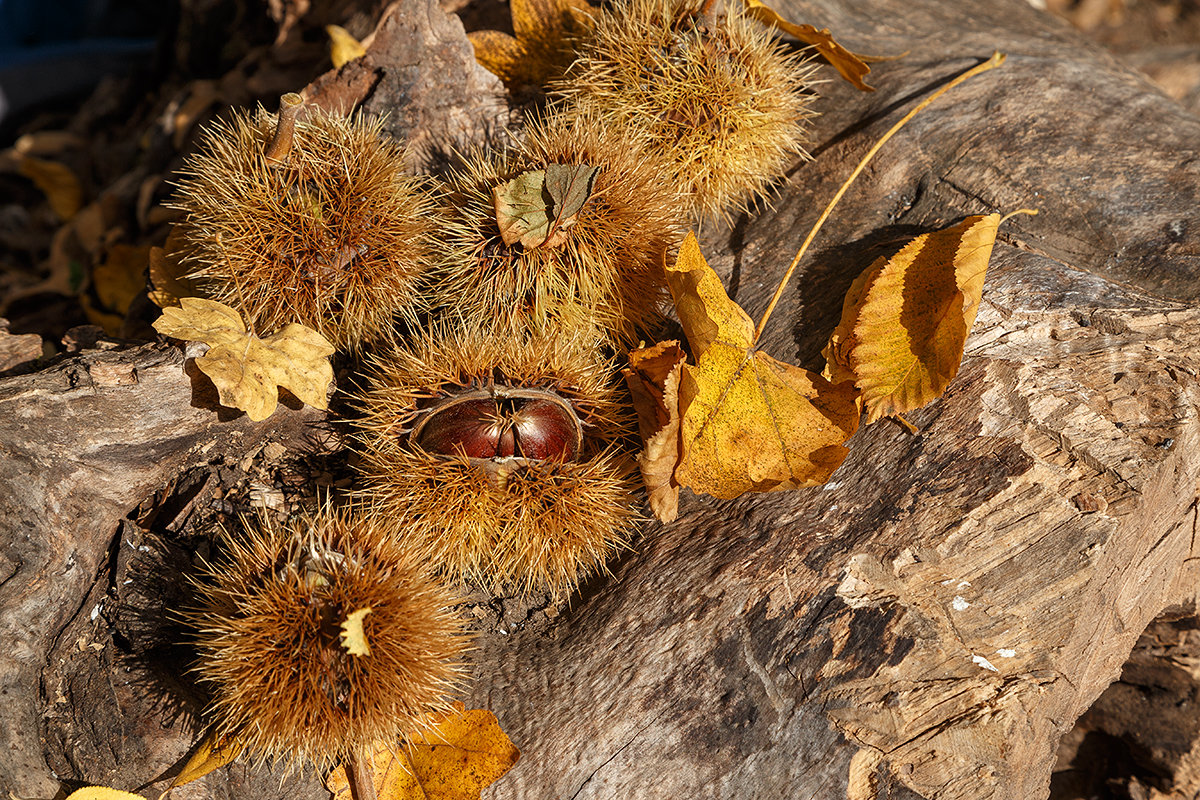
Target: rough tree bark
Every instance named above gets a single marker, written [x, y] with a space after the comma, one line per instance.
[929, 624]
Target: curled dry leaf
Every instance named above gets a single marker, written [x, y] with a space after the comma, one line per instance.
[749, 422]
[461, 754]
[245, 369]
[121, 277]
[851, 66]
[905, 320]
[653, 378]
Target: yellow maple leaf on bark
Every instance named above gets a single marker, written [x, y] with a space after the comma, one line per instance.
[748, 423]
[906, 318]
[461, 754]
[246, 369]
[851, 66]
[544, 45]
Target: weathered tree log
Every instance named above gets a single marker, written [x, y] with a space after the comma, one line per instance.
[929, 624]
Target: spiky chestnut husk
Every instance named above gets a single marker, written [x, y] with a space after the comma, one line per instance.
[267, 633]
[609, 268]
[329, 232]
[714, 92]
[512, 520]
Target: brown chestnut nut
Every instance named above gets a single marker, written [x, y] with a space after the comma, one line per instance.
[502, 423]
[499, 453]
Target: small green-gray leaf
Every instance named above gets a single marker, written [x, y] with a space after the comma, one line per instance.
[569, 187]
[522, 209]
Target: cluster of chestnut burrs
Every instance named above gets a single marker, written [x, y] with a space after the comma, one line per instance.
[490, 309]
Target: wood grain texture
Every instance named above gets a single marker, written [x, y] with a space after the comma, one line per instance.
[928, 624]
[84, 442]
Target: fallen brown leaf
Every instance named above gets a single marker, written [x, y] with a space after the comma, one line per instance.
[851, 66]
[536, 208]
[463, 753]
[57, 181]
[121, 277]
[653, 379]
[749, 422]
[906, 318]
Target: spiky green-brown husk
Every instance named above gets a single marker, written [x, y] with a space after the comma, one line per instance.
[267, 633]
[716, 94]
[609, 269]
[335, 236]
[546, 525]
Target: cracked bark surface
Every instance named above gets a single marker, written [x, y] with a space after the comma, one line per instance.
[929, 624]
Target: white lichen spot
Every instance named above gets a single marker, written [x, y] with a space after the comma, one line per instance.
[963, 584]
[983, 662]
[96, 611]
[960, 603]
[1004, 652]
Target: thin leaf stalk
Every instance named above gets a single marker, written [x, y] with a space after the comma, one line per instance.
[996, 60]
[360, 776]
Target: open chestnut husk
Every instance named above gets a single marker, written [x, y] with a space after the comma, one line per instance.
[501, 422]
[501, 456]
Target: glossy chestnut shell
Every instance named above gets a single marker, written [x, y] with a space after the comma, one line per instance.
[501, 422]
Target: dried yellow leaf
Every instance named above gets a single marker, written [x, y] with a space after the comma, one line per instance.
[463, 753]
[653, 378]
[343, 48]
[354, 638]
[749, 422]
[850, 65]
[905, 320]
[57, 181]
[102, 793]
[498, 53]
[167, 274]
[246, 369]
[544, 46]
[121, 277]
[213, 753]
